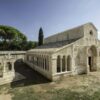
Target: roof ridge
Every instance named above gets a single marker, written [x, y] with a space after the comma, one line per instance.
[71, 29]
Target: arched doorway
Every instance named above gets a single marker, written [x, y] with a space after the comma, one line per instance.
[92, 57]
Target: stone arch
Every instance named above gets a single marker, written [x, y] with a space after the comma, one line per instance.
[68, 63]
[92, 58]
[64, 63]
[58, 63]
[92, 51]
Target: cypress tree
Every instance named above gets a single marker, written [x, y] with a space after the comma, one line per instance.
[40, 37]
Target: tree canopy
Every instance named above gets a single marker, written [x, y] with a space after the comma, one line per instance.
[9, 33]
[12, 39]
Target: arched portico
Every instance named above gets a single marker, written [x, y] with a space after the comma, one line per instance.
[92, 58]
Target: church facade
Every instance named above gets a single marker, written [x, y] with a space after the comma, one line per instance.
[75, 51]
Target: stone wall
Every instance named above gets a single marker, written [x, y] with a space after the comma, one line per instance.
[90, 32]
[7, 61]
[18, 55]
[40, 62]
[77, 52]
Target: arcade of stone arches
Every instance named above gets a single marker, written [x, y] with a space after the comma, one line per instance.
[63, 63]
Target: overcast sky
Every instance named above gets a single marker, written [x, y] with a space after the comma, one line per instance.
[53, 15]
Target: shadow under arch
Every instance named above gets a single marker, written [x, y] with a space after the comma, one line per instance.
[32, 77]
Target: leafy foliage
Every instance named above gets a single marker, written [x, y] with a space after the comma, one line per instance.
[13, 39]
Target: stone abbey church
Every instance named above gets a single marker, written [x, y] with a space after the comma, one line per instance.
[75, 51]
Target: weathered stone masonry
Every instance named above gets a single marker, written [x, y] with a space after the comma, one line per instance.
[7, 61]
[75, 51]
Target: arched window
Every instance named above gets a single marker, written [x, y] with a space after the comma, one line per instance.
[58, 64]
[63, 63]
[68, 63]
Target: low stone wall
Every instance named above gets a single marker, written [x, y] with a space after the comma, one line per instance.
[15, 54]
[10, 57]
[11, 77]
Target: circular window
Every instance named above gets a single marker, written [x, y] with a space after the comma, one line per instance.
[91, 32]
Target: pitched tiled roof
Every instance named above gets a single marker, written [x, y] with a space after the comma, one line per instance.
[56, 44]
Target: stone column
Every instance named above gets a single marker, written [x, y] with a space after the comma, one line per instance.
[87, 70]
[97, 63]
[65, 63]
[38, 61]
[87, 65]
[73, 68]
[53, 68]
[48, 63]
[4, 69]
[97, 60]
[13, 67]
[43, 62]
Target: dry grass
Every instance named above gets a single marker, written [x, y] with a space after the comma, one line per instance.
[79, 87]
